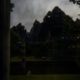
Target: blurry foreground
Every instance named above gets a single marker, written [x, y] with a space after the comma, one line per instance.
[46, 77]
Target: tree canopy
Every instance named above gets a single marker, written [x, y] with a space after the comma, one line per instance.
[75, 1]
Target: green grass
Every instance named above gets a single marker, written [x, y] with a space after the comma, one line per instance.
[30, 58]
[16, 59]
[45, 77]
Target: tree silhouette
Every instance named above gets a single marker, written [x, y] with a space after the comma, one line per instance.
[18, 40]
[57, 32]
[56, 37]
[75, 1]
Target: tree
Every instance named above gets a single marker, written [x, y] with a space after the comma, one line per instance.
[75, 1]
[18, 40]
[58, 29]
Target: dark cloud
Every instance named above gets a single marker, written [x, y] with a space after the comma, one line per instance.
[26, 11]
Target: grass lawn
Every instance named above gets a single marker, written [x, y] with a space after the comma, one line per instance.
[45, 77]
[30, 58]
[41, 77]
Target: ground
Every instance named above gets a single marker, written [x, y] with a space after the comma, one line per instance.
[42, 77]
[30, 58]
[46, 77]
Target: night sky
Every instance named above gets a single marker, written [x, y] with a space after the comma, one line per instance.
[26, 11]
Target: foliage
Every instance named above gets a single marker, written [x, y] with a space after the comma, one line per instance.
[75, 1]
[57, 37]
[18, 40]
